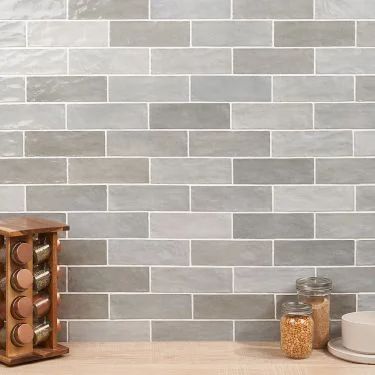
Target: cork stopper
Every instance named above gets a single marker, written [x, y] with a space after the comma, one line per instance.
[22, 253]
[22, 279]
[22, 307]
[22, 334]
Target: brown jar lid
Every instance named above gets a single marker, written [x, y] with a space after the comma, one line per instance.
[23, 278]
[22, 252]
[22, 307]
[23, 334]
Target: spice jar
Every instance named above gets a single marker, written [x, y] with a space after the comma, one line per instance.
[20, 335]
[21, 308]
[296, 330]
[316, 292]
[42, 304]
[20, 280]
[21, 253]
[42, 279]
[41, 253]
[41, 333]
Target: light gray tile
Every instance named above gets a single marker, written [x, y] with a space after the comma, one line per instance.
[11, 144]
[191, 280]
[231, 198]
[314, 33]
[23, 171]
[67, 34]
[257, 331]
[345, 225]
[190, 9]
[190, 225]
[109, 224]
[107, 116]
[12, 198]
[12, 89]
[350, 279]
[366, 302]
[230, 88]
[345, 115]
[273, 60]
[83, 306]
[230, 143]
[313, 88]
[233, 307]
[32, 61]
[147, 88]
[12, 34]
[157, 252]
[272, 116]
[345, 171]
[191, 61]
[147, 143]
[365, 88]
[66, 198]
[312, 143]
[151, 306]
[150, 34]
[273, 9]
[273, 171]
[344, 9]
[82, 331]
[191, 171]
[62, 143]
[32, 116]
[63, 334]
[190, 116]
[273, 226]
[231, 33]
[313, 198]
[67, 89]
[32, 9]
[365, 253]
[148, 198]
[83, 252]
[231, 253]
[312, 253]
[366, 34]
[192, 331]
[109, 61]
[108, 279]
[109, 9]
[112, 170]
[364, 143]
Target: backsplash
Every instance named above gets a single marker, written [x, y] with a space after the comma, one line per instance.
[205, 153]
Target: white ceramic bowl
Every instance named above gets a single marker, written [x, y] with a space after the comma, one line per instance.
[358, 331]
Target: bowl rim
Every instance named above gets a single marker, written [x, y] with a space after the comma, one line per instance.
[347, 318]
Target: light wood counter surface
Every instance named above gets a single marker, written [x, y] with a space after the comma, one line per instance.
[200, 358]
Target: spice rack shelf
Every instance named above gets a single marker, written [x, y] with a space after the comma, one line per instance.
[28, 290]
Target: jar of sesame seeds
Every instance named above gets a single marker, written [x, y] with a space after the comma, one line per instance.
[296, 330]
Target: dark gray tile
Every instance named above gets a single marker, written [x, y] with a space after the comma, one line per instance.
[83, 306]
[257, 331]
[83, 252]
[365, 253]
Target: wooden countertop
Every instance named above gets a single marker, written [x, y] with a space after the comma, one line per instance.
[200, 358]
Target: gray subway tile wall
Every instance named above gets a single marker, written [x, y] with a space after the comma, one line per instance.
[205, 153]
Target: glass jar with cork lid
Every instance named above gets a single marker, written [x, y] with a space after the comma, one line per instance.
[316, 292]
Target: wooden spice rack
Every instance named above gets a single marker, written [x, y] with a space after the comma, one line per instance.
[13, 231]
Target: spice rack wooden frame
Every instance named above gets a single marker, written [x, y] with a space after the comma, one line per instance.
[13, 230]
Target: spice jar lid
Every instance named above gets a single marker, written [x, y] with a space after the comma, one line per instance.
[23, 334]
[296, 308]
[22, 307]
[314, 285]
[22, 252]
[23, 278]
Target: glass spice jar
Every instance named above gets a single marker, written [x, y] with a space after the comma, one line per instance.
[316, 292]
[296, 330]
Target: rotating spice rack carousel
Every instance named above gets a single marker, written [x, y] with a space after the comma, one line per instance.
[28, 290]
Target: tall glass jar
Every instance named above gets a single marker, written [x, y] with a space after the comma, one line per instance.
[296, 330]
[316, 292]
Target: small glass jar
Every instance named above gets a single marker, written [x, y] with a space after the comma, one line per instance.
[316, 292]
[296, 330]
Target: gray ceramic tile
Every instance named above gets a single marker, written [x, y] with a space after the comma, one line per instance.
[366, 34]
[190, 225]
[233, 307]
[231, 253]
[11, 144]
[231, 198]
[115, 225]
[62, 281]
[12, 89]
[314, 252]
[364, 143]
[273, 171]
[365, 88]
[83, 306]
[63, 334]
[257, 331]
[12, 34]
[66, 198]
[365, 198]
[190, 116]
[80, 252]
[272, 116]
[147, 143]
[108, 279]
[191, 280]
[230, 143]
[366, 302]
[344, 9]
[32, 9]
[151, 306]
[157, 252]
[365, 253]
[273, 226]
[112, 170]
[150, 34]
[12, 198]
[273, 60]
[148, 198]
[313, 198]
[233, 33]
